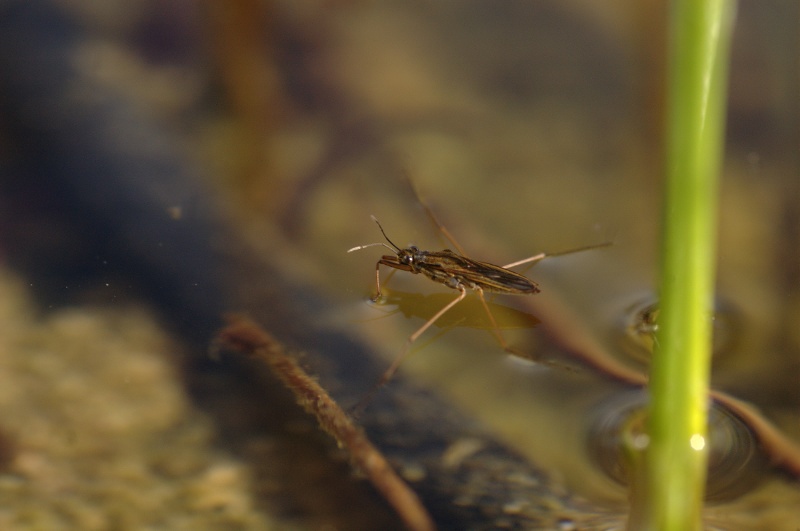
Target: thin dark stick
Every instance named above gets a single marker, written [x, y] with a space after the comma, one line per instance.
[247, 337]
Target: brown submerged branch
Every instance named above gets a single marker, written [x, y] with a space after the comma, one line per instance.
[247, 337]
[566, 331]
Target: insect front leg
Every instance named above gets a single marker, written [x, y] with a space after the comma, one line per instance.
[377, 282]
[392, 262]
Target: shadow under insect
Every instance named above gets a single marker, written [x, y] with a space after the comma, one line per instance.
[469, 313]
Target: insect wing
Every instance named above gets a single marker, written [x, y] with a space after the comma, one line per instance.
[495, 278]
[487, 276]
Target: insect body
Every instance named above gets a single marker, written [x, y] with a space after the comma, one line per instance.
[453, 270]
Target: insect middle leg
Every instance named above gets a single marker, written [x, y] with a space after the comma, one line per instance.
[389, 373]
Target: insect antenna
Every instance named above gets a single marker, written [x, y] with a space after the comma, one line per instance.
[378, 223]
[393, 248]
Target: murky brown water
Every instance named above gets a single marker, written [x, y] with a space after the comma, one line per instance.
[526, 127]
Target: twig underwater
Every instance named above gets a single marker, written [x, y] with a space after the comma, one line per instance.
[245, 336]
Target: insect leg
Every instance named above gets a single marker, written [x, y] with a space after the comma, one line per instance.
[436, 317]
[496, 329]
[531, 260]
[541, 256]
[434, 219]
[386, 280]
[387, 375]
[377, 282]
[513, 351]
[394, 264]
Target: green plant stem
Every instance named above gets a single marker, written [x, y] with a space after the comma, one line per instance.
[672, 485]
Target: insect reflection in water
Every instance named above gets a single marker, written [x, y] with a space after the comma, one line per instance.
[467, 314]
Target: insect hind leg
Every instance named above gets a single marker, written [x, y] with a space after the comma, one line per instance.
[516, 352]
[496, 328]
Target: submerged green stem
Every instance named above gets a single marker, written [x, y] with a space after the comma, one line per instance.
[670, 493]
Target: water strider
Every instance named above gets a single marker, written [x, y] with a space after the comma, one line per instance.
[456, 271]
